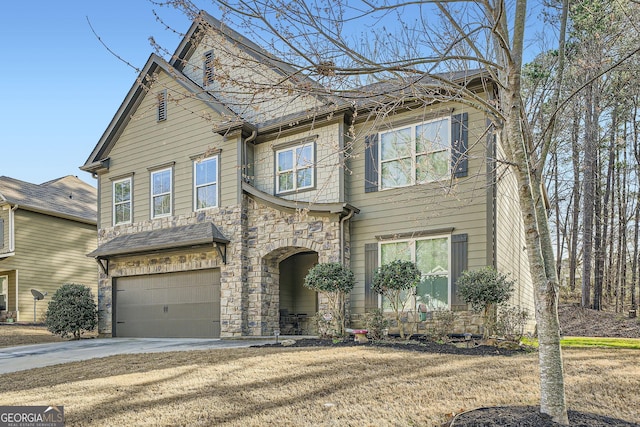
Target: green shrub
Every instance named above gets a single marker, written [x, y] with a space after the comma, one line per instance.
[72, 310]
[335, 281]
[441, 325]
[511, 322]
[376, 323]
[484, 289]
[392, 281]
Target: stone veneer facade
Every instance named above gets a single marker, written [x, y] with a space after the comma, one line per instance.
[260, 237]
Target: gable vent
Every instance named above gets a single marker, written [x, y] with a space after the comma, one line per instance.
[162, 106]
[207, 67]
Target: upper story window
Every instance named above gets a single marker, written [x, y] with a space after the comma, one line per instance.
[295, 168]
[415, 154]
[432, 257]
[122, 201]
[205, 177]
[207, 68]
[161, 187]
[162, 105]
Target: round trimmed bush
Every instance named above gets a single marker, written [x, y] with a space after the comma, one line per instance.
[72, 311]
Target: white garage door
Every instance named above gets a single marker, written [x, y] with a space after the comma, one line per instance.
[185, 304]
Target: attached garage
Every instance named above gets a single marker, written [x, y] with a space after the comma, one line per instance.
[169, 305]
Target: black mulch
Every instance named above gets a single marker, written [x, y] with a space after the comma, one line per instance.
[529, 416]
[423, 345]
[508, 416]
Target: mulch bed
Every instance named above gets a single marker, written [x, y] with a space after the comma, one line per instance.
[423, 345]
[529, 416]
[508, 416]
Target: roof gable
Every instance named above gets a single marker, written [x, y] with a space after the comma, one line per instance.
[255, 84]
[136, 94]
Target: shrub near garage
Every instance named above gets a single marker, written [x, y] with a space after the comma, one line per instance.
[72, 311]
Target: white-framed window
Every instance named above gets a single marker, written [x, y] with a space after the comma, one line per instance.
[161, 188]
[295, 168]
[122, 198]
[432, 256]
[205, 183]
[415, 154]
[207, 69]
[4, 292]
[162, 105]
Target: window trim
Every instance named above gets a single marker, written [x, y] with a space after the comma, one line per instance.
[215, 157]
[414, 303]
[413, 154]
[128, 179]
[152, 195]
[293, 147]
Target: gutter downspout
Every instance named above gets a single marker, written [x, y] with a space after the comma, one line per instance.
[342, 239]
[12, 236]
[248, 139]
[12, 248]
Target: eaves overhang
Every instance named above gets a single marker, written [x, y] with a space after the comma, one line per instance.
[284, 204]
[165, 239]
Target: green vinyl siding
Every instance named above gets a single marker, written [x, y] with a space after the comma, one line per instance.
[49, 252]
[460, 205]
[146, 143]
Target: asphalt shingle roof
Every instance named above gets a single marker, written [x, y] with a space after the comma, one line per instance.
[166, 238]
[68, 196]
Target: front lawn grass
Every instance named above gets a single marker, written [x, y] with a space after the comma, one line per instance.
[587, 342]
[320, 386]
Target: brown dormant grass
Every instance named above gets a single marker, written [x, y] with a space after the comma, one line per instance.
[18, 334]
[354, 386]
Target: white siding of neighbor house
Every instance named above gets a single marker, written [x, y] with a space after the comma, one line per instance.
[147, 143]
[247, 86]
[328, 168]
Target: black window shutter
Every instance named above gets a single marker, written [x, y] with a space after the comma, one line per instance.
[370, 266]
[459, 258]
[371, 163]
[459, 144]
[1, 233]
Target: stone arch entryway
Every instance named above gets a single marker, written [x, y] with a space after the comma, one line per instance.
[279, 286]
[297, 303]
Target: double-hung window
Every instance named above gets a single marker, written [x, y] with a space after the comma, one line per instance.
[205, 176]
[415, 154]
[295, 168]
[161, 188]
[432, 257]
[122, 201]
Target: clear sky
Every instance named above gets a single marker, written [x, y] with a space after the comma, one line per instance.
[60, 87]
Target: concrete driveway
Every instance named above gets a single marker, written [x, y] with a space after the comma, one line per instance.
[38, 355]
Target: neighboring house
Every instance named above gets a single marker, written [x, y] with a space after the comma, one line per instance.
[214, 199]
[45, 232]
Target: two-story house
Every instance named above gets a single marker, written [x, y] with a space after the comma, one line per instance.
[46, 231]
[225, 175]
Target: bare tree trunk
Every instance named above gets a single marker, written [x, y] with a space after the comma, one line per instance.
[602, 221]
[588, 191]
[575, 212]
